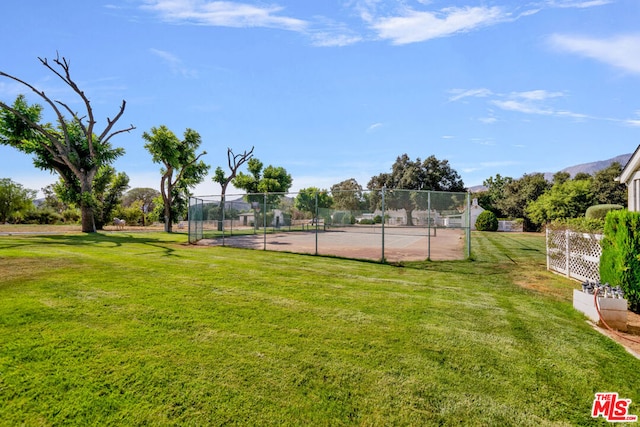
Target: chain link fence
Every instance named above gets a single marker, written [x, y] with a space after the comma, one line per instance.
[382, 225]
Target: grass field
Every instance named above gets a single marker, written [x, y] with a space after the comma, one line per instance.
[142, 329]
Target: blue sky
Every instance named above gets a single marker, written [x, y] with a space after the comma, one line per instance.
[338, 89]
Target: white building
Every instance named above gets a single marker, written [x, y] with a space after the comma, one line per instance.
[631, 177]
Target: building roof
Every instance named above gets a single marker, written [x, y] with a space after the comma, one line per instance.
[631, 167]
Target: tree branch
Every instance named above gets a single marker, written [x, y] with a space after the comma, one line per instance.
[42, 95]
[179, 177]
[64, 64]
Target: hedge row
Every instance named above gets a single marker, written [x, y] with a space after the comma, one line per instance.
[620, 259]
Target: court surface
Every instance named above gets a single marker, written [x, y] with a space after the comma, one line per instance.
[400, 244]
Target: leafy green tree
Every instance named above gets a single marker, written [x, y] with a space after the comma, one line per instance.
[605, 188]
[71, 148]
[581, 176]
[348, 195]
[561, 177]
[109, 187]
[490, 200]
[143, 198]
[270, 180]
[52, 201]
[306, 200]
[566, 199]
[519, 193]
[182, 168]
[14, 199]
[406, 174]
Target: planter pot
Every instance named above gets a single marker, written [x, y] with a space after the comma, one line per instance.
[613, 310]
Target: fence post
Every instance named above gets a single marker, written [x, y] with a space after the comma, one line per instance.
[429, 225]
[264, 221]
[546, 241]
[567, 252]
[223, 207]
[317, 222]
[383, 219]
[468, 225]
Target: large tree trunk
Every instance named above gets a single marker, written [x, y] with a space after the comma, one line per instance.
[165, 189]
[167, 216]
[88, 222]
[409, 216]
[168, 221]
[86, 207]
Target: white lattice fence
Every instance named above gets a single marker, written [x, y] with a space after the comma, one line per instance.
[576, 255]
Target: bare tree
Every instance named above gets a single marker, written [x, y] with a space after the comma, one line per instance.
[234, 161]
[71, 148]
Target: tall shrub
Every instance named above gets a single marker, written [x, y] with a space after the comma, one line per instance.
[600, 211]
[487, 221]
[620, 259]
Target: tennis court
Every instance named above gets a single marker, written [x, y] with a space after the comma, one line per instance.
[400, 244]
[381, 225]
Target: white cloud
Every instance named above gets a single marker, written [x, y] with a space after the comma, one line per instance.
[635, 121]
[534, 102]
[417, 26]
[328, 39]
[223, 14]
[537, 95]
[621, 51]
[175, 63]
[374, 127]
[459, 94]
[580, 4]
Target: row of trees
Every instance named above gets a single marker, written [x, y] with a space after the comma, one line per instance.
[407, 175]
[539, 201]
[137, 206]
[82, 158]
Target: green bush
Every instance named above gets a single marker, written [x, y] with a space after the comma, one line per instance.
[71, 215]
[620, 262]
[580, 225]
[487, 221]
[42, 216]
[337, 217]
[600, 211]
[348, 219]
[367, 221]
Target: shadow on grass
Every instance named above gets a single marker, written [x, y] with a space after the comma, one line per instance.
[111, 241]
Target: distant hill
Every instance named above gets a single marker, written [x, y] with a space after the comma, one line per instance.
[589, 168]
[592, 167]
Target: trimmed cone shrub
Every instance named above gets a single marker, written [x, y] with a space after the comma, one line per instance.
[487, 221]
[620, 259]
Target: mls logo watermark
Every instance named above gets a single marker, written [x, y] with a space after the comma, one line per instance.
[612, 408]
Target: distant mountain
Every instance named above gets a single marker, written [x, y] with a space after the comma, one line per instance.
[589, 168]
[592, 167]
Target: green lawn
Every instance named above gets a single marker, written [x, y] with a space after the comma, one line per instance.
[142, 329]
